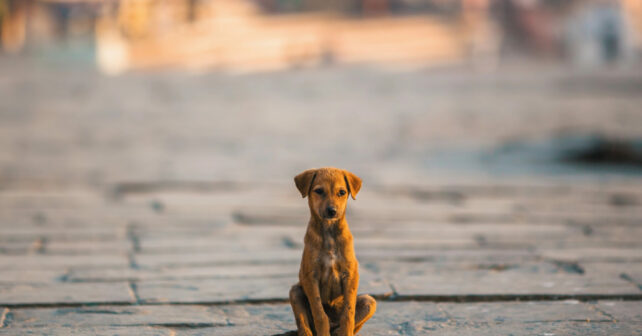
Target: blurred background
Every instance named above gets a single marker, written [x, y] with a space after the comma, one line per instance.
[97, 92]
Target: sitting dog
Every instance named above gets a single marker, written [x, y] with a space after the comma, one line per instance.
[325, 300]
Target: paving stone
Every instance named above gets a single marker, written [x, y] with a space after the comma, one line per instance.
[523, 312]
[117, 247]
[43, 261]
[250, 314]
[262, 319]
[629, 271]
[446, 255]
[62, 233]
[209, 243]
[52, 199]
[205, 272]
[20, 246]
[97, 331]
[393, 316]
[499, 318]
[65, 293]
[509, 282]
[595, 254]
[31, 276]
[221, 257]
[117, 316]
[258, 329]
[219, 290]
[554, 328]
[623, 311]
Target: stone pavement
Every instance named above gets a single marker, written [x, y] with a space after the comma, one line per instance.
[162, 204]
[501, 259]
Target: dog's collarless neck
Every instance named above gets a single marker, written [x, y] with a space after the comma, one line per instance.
[332, 228]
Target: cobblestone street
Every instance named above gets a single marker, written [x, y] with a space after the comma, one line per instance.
[163, 203]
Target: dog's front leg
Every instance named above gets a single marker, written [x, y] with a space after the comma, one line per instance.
[346, 322]
[321, 321]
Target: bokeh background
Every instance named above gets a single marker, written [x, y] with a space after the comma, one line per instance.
[100, 92]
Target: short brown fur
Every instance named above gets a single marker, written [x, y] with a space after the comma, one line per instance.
[325, 300]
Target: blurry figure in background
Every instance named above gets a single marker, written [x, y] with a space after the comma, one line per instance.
[529, 26]
[112, 54]
[482, 35]
[13, 24]
[599, 33]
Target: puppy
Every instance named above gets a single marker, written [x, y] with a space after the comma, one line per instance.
[325, 300]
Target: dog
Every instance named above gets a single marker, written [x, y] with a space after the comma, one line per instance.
[325, 300]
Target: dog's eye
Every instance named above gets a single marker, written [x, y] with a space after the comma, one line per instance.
[319, 191]
[342, 192]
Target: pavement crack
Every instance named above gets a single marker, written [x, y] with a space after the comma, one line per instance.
[132, 235]
[395, 294]
[290, 243]
[65, 276]
[604, 313]
[133, 292]
[628, 278]
[569, 266]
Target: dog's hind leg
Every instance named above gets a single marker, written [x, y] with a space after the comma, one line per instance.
[301, 309]
[364, 309]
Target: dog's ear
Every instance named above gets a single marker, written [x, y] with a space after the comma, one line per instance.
[354, 183]
[304, 180]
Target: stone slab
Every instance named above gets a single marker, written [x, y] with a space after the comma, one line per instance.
[623, 311]
[88, 246]
[65, 293]
[31, 276]
[44, 261]
[283, 255]
[235, 290]
[257, 329]
[220, 290]
[97, 331]
[610, 254]
[509, 283]
[117, 316]
[176, 273]
[523, 312]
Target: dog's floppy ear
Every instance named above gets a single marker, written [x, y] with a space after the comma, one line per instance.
[354, 183]
[304, 180]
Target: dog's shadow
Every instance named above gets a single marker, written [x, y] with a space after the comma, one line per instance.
[287, 333]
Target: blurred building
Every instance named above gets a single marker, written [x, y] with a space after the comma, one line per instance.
[272, 34]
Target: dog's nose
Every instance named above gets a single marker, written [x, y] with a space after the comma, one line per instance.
[330, 211]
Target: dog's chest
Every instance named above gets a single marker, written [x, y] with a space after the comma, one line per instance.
[330, 271]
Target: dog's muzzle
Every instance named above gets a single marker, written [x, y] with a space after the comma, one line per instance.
[330, 212]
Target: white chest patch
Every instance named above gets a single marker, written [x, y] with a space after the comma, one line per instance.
[329, 263]
[329, 260]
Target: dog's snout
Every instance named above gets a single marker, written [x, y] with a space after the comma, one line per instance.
[330, 211]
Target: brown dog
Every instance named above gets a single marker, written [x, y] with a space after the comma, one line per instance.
[325, 299]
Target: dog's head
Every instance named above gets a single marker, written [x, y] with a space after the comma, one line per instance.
[327, 190]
